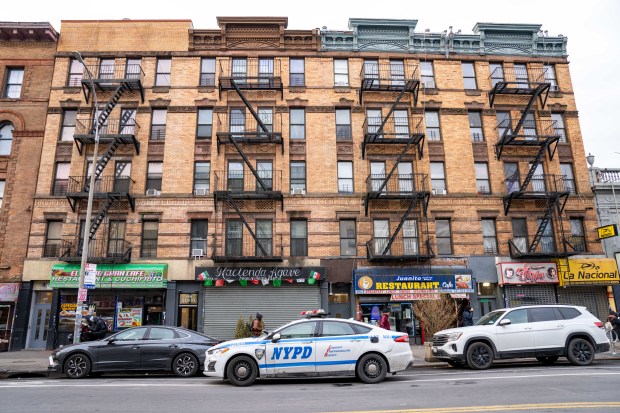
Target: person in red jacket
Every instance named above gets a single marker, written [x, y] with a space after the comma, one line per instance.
[384, 319]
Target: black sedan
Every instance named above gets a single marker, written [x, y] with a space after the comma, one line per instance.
[148, 348]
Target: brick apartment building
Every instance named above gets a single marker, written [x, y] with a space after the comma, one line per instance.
[26, 65]
[256, 168]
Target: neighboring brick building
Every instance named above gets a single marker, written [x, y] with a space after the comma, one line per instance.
[26, 67]
[260, 160]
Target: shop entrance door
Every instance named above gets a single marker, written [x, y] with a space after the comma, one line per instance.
[39, 321]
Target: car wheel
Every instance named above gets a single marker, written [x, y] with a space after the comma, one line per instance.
[547, 360]
[580, 352]
[77, 366]
[479, 356]
[371, 368]
[185, 365]
[242, 371]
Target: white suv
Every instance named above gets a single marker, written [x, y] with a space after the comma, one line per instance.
[545, 332]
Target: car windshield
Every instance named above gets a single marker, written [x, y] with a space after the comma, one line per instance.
[490, 318]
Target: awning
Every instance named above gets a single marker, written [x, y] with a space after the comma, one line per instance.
[113, 276]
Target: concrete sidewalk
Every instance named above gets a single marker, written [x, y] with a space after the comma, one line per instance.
[33, 363]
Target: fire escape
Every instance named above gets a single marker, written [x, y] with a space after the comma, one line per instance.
[400, 189]
[112, 192]
[248, 192]
[535, 139]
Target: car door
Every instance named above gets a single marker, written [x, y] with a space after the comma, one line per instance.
[337, 347]
[121, 351]
[294, 352]
[160, 345]
[516, 336]
[547, 328]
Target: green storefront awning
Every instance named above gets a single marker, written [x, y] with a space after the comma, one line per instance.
[113, 276]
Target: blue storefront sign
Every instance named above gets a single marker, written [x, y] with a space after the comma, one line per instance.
[412, 280]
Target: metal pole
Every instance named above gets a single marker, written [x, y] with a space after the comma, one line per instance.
[89, 206]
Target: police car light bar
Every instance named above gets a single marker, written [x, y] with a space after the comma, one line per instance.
[314, 313]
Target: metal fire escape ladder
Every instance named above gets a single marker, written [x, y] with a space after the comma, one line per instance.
[544, 221]
[245, 223]
[412, 206]
[100, 217]
[109, 107]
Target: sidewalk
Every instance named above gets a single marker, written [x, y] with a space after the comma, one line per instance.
[33, 363]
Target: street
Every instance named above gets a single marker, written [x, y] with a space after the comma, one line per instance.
[520, 386]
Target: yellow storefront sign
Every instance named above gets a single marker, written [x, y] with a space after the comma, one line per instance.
[601, 271]
[607, 231]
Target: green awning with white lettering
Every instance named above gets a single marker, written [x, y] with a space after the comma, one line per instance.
[113, 276]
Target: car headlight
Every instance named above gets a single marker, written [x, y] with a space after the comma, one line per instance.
[217, 351]
[454, 336]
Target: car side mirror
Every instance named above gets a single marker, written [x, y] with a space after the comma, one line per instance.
[111, 340]
[275, 338]
[505, 322]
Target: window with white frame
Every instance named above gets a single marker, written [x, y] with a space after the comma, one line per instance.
[469, 75]
[443, 236]
[264, 237]
[475, 126]
[341, 72]
[431, 120]
[207, 71]
[202, 176]
[381, 235]
[164, 68]
[427, 76]
[577, 235]
[558, 126]
[6, 138]
[297, 72]
[438, 177]
[198, 237]
[14, 81]
[2, 182]
[497, 73]
[345, 177]
[61, 179]
[154, 176]
[148, 245]
[299, 238]
[53, 239]
[297, 123]
[550, 77]
[521, 76]
[76, 70]
[298, 176]
[519, 233]
[158, 124]
[568, 178]
[504, 124]
[348, 244]
[69, 120]
[483, 185]
[204, 129]
[489, 235]
[343, 124]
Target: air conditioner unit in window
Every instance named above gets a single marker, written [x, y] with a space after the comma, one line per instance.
[153, 192]
[298, 191]
[201, 191]
[341, 83]
[439, 192]
[197, 252]
[554, 88]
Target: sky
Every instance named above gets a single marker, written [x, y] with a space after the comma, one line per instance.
[593, 46]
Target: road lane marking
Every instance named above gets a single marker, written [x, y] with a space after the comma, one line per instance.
[499, 408]
[528, 376]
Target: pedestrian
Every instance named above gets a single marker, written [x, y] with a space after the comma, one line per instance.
[384, 320]
[98, 328]
[615, 325]
[467, 317]
[257, 325]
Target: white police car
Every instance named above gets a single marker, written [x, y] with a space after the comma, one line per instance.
[312, 347]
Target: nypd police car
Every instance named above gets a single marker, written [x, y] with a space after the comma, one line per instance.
[312, 347]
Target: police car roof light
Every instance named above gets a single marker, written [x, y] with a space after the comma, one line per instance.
[314, 313]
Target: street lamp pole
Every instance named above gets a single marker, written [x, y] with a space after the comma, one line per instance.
[89, 206]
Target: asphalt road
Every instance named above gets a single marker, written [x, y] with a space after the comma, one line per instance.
[519, 387]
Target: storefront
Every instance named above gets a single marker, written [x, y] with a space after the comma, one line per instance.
[528, 283]
[397, 289]
[278, 293]
[586, 283]
[124, 296]
[8, 297]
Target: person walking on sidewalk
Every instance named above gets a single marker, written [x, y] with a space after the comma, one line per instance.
[384, 320]
[467, 317]
[257, 325]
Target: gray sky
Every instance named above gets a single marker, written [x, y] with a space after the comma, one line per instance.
[593, 48]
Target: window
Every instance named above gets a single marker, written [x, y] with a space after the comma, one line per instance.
[14, 80]
[130, 335]
[401, 124]
[438, 178]
[266, 116]
[411, 241]
[511, 173]
[343, 124]
[264, 169]
[264, 236]
[348, 244]
[205, 124]
[298, 123]
[207, 71]
[106, 68]
[443, 236]
[122, 176]
[239, 69]
[578, 239]
[202, 175]
[299, 238]
[298, 175]
[234, 238]
[237, 122]
[517, 316]
[547, 241]
[300, 330]
[76, 70]
[558, 126]
[431, 118]
[148, 248]
[550, 77]
[265, 70]
[154, 176]
[198, 236]
[6, 138]
[341, 72]
[521, 75]
[377, 176]
[504, 125]
[405, 177]
[158, 124]
[116, 239]
[381, 235]
[475, 127]
[159, 333]
[133, 69]
[482, 178]
[569, 313]
[489, 237]
[67, 130]
[529, 127]
[52, 239]
[235, 176]
[497, 73]
[397, 72]
[345, 177]
[426, 75]
[567, 177]
[61, 179]
[469, 75]
[336, 328]
[2, 182]
[519, 233]
[373, 121]
[538, 179]
[128, 122]
[297, 72]
[162, 77]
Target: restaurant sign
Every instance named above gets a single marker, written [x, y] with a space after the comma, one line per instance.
[413, 281]
[266, 274]
[528, 273]
[601, 271]
[113, 276]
